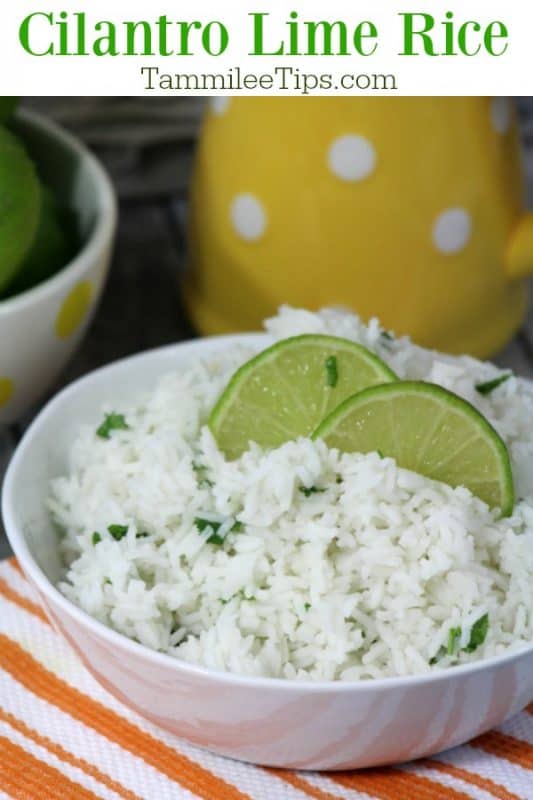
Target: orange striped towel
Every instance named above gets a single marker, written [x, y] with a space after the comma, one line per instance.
[64, 737]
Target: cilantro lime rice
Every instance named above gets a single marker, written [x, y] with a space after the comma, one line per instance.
[297, 562]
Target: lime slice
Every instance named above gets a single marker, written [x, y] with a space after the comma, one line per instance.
[428, 430]
[19, 205]
[285, 391]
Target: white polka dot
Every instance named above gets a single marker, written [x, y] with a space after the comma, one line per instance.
[248, 217]
[501, 114]
[352, 158]
[452, 230]
[219, 105]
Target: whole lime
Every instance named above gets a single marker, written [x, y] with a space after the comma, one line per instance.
[8, 106]
[51, 249]
[19, 205]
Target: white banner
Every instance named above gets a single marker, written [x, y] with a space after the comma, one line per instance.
[303, 47]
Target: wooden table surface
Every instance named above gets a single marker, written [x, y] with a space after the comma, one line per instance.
[148, 146]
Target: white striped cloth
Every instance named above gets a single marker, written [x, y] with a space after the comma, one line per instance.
[63, 737]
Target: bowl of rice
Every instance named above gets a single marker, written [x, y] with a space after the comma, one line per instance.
[382, 618]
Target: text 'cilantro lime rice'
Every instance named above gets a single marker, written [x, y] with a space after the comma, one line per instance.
[298, 561]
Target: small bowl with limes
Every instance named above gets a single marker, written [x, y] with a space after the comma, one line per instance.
[58, 217]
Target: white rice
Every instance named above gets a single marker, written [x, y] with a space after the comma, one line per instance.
[362, 580]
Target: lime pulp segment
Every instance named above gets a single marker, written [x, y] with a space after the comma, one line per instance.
[428, 430]
[286, 390]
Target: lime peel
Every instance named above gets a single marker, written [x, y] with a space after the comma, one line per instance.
[286, 390]
[428, 430]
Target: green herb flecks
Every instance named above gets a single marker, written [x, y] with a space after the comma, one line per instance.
[118, 532]
[203, 481]
[309, 490]
[332, 372]
[387, 339]
[215, 538]
[96, 538]
[454, 635]
[489, 386]
[244, 596]
[380, 453]
[241, 593]
[307, 606]
[478, 634]
[142, 535]
[436, 658]
[112, 422]
[202, 524]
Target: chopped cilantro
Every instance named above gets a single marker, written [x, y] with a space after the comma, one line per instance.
[309, 490]
[118, 532]
[454, 634]
[112, 422]
[203, 482]
[96, 538]
[307, 606]
[243, 596]
[142, 535]
[489, 386]
[215, 539]
[380, 453]
[478, 634]
[202, 524]
[332, 372]
[338, 479]
[441, 653]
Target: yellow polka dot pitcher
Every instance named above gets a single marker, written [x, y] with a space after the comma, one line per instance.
[410, 209]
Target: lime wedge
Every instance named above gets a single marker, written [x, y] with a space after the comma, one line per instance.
[428, 430]
[286, 390]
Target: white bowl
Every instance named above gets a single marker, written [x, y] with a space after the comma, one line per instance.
[306, 725]
[41, 328]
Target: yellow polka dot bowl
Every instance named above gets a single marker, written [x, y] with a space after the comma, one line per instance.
[41, 328]
[410, 209]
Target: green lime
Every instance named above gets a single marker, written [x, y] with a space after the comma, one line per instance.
[51, 248]
[19, 205]
[428, 430]
[285, 391]
[8, 106]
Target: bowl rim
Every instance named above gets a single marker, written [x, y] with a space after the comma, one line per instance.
[104, 225]
[116, 639]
